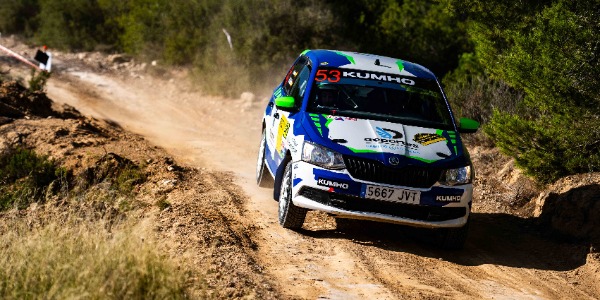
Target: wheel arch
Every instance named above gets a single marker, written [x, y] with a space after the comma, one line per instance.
[279, 174]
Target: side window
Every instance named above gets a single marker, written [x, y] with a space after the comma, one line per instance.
[300, 84]
[292, 75]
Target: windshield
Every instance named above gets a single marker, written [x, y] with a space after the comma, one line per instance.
[414, 101]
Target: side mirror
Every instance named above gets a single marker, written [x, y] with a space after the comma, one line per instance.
[466, 125]
[285, 103]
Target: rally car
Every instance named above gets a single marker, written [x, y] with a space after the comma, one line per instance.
[369, 137]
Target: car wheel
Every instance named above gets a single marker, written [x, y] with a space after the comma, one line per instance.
[290, 215]
[453, 238]
[263, 177]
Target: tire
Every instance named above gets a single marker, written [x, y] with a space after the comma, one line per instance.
[453, 238]
[263, 177]
[290, 215]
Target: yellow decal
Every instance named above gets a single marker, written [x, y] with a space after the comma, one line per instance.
[284, 127]
[426, 139]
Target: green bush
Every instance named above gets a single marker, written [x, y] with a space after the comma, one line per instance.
[549, 147]
[549, 51]
[128, 178]
[24, 177]
[19, 16]
[474, 95]
[73, 24]
[38, 81]
[419, 31]
[113, 177]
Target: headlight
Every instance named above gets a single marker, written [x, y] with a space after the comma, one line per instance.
[457, 176]
[321, 156]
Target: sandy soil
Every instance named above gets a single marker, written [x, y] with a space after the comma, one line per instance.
[504, 258]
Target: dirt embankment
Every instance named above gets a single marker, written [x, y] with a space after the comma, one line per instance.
[227, 227]
[197, 215]
[568, 209]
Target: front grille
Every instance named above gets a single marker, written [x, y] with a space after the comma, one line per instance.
[374, 171]
[409, 211]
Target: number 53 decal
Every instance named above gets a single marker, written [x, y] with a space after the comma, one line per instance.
[329, 75]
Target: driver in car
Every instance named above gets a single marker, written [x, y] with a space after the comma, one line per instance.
[327, 97]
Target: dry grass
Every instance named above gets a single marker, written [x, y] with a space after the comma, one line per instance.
[60, 255]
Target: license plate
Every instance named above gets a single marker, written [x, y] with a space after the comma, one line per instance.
[392, 194]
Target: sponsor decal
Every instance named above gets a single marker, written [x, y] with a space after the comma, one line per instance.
[336, 118]
[378, 77]
[448, 198]
[333, 183]
[388, 133]
[339, 118]
[334, 75]
[329, 75]
[427, 139]
[293, 145]
[389, 139]
[282, 132]
[375, 148]
[391, 142]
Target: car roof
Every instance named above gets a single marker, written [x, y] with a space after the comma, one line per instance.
[367, 62]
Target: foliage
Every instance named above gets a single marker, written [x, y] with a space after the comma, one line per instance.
[38, 80]
[112, 176]
[27, 177]
[265, 34]
[419, 31]
[24, 177]
[474, 95]
[19, 16]
[549, 147]
[549, 50]
[536, 63]
[72, 258]
[73, 24]
[162, 203]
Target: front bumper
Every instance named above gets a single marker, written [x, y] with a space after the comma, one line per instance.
[337, 193]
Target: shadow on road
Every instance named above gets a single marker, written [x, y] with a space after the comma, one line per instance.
[499, 239]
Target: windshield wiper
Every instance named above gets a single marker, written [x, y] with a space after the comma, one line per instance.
[348, 97]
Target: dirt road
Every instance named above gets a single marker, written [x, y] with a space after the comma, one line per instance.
[504, 257]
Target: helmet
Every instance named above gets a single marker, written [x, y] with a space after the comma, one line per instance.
[327, 95]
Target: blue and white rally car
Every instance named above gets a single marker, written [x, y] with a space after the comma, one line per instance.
[366, 137]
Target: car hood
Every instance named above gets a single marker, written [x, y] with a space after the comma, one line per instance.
[383, 140]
